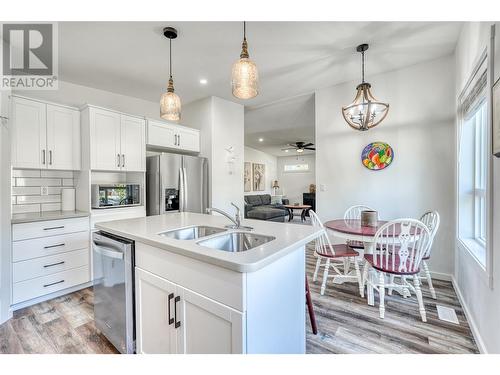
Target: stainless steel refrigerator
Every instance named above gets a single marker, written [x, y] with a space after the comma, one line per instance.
[176, 183]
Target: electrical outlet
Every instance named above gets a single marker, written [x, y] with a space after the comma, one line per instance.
[44, 190]
[322, 187]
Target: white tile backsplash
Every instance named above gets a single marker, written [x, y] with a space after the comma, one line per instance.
[38, 199]
[26, 192]
[26, 173]
[38, 182]
[57, 174]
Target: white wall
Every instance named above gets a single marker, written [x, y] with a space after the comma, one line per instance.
[481, 301]
[419, 127]
[256, 156]
[222, 125]
[77, 95]
[5, 250]
[292, 185]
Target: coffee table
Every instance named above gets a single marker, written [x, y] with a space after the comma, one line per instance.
[292, 207]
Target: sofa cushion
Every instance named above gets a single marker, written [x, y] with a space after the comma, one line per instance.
[266, 199]
[266, 213]
[253, 200]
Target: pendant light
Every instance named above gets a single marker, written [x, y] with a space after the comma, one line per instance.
[170, 103]
[245, 77]
[365, 111]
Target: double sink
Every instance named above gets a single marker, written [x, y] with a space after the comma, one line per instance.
[236, 241]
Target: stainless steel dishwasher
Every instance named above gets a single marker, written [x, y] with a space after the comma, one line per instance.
[114, 308]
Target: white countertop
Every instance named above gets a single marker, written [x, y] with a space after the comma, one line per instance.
[31, 217]
[145, 229]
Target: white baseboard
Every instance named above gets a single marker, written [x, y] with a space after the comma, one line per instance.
[441, 276]
[470, 319]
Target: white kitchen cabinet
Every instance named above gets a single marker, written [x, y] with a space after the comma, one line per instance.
[104, 140]
[63, 138]
[188, 139]
[44, 136]
[206, 326]
[133, 143]
[29, 134]
[173, 319]
[165, 135]
[155, 323]
[116, 141]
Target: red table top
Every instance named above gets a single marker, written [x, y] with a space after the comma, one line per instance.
[353, 227]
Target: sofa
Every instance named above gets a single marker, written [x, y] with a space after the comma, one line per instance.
[260, 207]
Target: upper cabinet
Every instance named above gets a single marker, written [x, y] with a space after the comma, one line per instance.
[44, 136]
[114, 141]
[175, 137]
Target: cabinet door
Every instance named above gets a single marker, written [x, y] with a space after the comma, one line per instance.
[155, 332]
[63, 138]
[207, 326]
[133, 144]
[188, 140]
[105, 140]
[161, 135]
[28, 134]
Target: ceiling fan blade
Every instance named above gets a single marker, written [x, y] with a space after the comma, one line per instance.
[309, 148]
[288, 148]
[308, 144]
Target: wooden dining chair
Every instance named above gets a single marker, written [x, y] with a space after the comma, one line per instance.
[400, 246]
[333, 254]
[432, 220]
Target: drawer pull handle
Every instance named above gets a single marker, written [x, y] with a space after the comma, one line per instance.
[177, 323]
[52, 228]
[51, 246]
[57, 282]
[53, 264]
[170, 297]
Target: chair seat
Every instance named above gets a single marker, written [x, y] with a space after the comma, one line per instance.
[389, 268]
[341, 251]
[356, 244]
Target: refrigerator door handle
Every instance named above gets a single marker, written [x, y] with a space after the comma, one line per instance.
[182, 189]
[185, 195]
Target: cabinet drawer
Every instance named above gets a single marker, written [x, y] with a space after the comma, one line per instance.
[48, 228]
[40, 247]
[30, 269]
[40, 286]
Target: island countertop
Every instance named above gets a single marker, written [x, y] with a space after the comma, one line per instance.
[146, 230]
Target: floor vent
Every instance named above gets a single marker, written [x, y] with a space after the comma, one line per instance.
[447, 314]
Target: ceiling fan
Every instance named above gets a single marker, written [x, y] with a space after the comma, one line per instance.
[299, 146]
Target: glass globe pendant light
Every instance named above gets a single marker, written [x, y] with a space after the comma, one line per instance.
[170, 103]
[245, 77]
[365, 111]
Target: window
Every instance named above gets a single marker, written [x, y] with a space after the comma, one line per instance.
[473, 179]
[296, 168]
[479, 123]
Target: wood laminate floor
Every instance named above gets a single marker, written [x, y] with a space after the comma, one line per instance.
[61, 325]
[346, 324]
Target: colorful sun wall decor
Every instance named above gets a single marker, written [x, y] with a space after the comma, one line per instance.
[377, 156]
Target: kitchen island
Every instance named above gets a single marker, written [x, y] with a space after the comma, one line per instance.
[203, 288]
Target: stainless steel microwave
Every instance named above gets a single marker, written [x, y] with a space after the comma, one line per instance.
[116, 195]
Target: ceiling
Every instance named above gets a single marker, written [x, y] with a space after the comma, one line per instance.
[279, 123]
[293, 58]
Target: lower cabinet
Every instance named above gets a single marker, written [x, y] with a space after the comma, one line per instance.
[173, 319]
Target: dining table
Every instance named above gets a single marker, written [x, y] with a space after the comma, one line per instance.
[354, 231]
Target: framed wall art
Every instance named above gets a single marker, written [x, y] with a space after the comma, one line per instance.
[377, 156]
[259, 177]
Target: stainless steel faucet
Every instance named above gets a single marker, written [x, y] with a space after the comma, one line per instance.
[237, 217]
